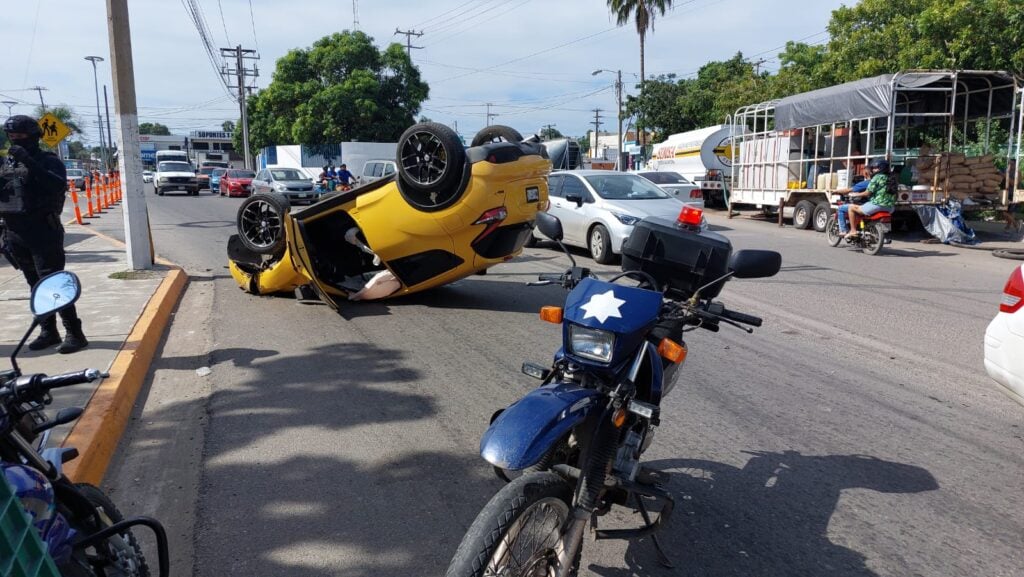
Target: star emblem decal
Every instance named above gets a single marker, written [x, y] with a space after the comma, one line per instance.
[603, 306]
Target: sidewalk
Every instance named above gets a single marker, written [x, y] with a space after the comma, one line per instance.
[116, 308]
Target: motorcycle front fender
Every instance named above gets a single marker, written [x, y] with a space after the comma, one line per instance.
[525, 431]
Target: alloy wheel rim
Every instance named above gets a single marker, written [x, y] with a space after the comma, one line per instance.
[424, 158]
[597, 243]
[260, 224]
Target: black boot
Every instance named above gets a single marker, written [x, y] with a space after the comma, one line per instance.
[74, 339]
[48, 336]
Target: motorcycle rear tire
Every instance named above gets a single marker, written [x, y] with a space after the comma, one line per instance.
[877, 233]
[504, 514]
[104, 551]
[832, 231]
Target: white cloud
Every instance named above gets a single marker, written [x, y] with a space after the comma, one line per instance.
[550, 47]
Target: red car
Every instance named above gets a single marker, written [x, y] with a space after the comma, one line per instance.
[236, 183]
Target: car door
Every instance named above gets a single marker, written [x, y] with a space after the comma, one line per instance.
[260, 183]
[574, 221]
[556, 204]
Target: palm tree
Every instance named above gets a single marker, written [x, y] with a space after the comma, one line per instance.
[642, 12]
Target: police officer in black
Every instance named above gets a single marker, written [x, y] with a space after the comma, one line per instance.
[32, 188]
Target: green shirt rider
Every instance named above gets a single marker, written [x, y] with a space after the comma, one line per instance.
[881, 198]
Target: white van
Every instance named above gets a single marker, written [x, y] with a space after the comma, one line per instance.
[376, 170]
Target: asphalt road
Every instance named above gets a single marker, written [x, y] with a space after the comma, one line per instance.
[854, 435]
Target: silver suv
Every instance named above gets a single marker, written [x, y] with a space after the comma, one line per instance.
[376, 170]
[294, 184]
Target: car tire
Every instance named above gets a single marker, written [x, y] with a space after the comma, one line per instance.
[821, 213]
[260, 223]
[496, 133]
[159, 192]
[600, 244]
[431, 166]
[803, 215]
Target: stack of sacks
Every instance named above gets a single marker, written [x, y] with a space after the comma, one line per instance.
[962, 175]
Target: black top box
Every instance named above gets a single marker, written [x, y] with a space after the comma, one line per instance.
[680, 258]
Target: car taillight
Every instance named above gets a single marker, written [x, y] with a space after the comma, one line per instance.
[1013, 293]
[696, 193]
[492, 218]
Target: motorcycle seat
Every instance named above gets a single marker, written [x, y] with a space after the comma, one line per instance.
[882, 215]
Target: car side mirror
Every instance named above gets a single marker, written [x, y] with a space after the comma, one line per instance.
[755, 263]
[549, 226]
[573, 197]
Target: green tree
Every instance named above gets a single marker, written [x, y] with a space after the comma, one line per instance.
[342, 88]
[228, 126]
[876, 36]
[584, 142]
[642, 13]
[154, 128]
[661, 105]
[550, 133]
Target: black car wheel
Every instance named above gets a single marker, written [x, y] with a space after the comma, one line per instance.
[260, 223]
[496, 133]
[431, 166]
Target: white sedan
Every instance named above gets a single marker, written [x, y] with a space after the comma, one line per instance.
[147, 176]
[1004, 339]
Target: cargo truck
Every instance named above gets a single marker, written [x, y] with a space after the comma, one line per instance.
[935, 127]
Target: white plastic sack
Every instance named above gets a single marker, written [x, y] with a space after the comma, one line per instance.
[381, 285]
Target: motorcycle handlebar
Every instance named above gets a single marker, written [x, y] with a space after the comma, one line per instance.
[550, 277]
[742, 318]
[69, 379]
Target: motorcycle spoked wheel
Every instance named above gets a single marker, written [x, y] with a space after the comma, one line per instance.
[117, 556]
[873, 239]
[832, 231]
[518, 531]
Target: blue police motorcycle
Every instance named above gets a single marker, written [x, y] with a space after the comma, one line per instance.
[80, 526]
[578, 438]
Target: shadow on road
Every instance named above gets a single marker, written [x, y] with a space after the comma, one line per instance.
[769, 518]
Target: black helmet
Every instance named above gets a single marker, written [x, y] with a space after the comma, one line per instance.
[22, 124]
[879, 163]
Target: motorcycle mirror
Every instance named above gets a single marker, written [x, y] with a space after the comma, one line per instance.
[55, 292]
[549, 226]
[755, 263]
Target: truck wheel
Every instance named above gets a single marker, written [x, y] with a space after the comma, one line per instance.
[821, 214]
[803, 215]
[260, 223]
[431, 166]
[496, 133]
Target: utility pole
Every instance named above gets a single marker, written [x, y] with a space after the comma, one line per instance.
[40, 90]
[99, 115]
[9, 104]
[549, 127]
[106, 105]
[618, 97]
[597, 132]
[408, 40]
[757, 66]
[355, 14]
[490, 114]
[240, 73]
[136, 218]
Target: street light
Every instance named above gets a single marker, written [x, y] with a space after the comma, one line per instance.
[9, 104]
[618, 98]
[99, 117]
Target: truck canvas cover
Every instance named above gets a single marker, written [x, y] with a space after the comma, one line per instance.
[865, 98]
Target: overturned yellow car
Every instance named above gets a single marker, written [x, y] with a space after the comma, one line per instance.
[447, 213]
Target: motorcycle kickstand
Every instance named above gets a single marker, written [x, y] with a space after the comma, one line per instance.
[662, 556]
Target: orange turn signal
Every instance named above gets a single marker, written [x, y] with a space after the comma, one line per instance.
[551, 315]
[672, 350]
[619, 418]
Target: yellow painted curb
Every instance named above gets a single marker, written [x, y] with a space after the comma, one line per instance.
[97, 433]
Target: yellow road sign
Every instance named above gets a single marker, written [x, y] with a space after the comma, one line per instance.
[53, 130]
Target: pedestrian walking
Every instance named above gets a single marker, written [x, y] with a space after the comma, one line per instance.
[32, 189]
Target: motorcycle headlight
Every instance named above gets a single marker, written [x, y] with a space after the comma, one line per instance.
[626, 219]
[592, 344]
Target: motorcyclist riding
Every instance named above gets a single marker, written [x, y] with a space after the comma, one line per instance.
[880, 195]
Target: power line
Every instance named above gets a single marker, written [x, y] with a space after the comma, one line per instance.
[445, 13]
[456, 25]
[408, 40]
[252, 20]
[223, 23]
[195, 13]
[450, 33]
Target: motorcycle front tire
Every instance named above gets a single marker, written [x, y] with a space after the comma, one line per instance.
[878, 234]
[499, 523]
[832, 231]
[105, 550]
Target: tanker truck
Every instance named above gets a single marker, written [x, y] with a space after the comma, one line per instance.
[704, 156]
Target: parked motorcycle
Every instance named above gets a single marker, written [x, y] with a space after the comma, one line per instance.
[579, 437]
[873, 230]
[79, 525]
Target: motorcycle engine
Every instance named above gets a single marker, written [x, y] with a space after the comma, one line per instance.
[627, 460]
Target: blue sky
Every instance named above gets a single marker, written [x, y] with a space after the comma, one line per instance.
[532, 59]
